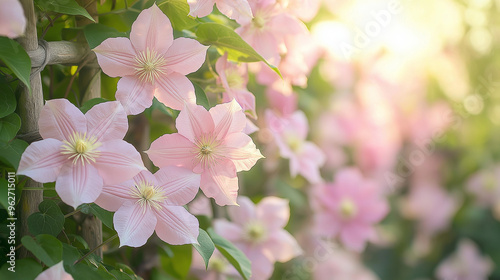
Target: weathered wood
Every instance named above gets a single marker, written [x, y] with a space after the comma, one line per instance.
[30, 105]
[60, 52]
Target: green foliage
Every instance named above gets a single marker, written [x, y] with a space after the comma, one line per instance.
[26, 269]
[234, 255]
[91, 103]
[96, 33]
[69, 7]
[7, 99]
[177, 11]
[45, 247]
[16, 58]
[9, 126]
[201, 97]
[205, 247]
[50, 219]
[10, 153]
[176, 260]
[105, 216]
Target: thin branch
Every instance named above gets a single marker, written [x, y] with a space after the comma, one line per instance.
[95, 249]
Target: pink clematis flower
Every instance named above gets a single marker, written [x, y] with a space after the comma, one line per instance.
[485, 186]
[210, 143]
[151, 63]
[12, 19]
[465, 264]
[238, 10]
[55, 272]
[153, 202]
[258, 231]
[349, 207]
[290, 135]
[81, 152]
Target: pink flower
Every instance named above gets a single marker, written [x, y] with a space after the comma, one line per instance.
[55, 272]
[149, 203]
[485, 186]
[258, 232]
[238, 10]
[210, 143]
[151, 63]
[342, 265]
[81, 152]
[282, 98]
[290, 134]
[465, 264]
[348, 207]
[12, 19]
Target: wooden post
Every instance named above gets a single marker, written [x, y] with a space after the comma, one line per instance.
[30, 105]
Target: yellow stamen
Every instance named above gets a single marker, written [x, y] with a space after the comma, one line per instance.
[80, 147]
[347, 208]
[148, 195]
[149, 65]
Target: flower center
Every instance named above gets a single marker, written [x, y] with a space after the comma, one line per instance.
[149, 65]
[347, 208]
[234, 80]
[148, 195]
[217, 264]
[206, 151]
[255, 232]
[259, 22]
[294, 143]
[80, 147]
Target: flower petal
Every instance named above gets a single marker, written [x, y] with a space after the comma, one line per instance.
[118, 161]
[282, 246]
[221, 183]
[78, 183]
[228, 118]
[176, 225]
[152, 30]
[55, 272]
[180, 185]
[107, 121]
[42, 161]
[241, 150]
[172, 150]
[12, 19]
[112, 197]
[243, 213]
[229, 231]
[174, 90]
[274, 212]
[238, 10]
[185, 55]
[134, 94]
[194, 121]
[116, 56]
[59, 119]
[200, 8]
[134, 224]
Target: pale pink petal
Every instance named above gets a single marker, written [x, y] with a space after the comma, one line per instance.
[238, 10]
[176, 225]
[152, 30]
[285, 24]
[118, 161]
[274, 212]
[265, 43]
[78, 183]
[112, 197]
[354, 236]
[134, 94]
[194, 121]
[200, 8]
[241, 150]
[55, 272]
[221, 183]
[185, 55]
[116, 57]
[180, 185]
[282, 246]
[174, 90]
[172, 149]
[311, 158]
[246, 100]
[228, 118]
[229, 231]
[12, 19]
[250, 127]
[107, 121]
[145, 176]
[134, 224]
[59, 119]
[262, 266]
[42, 161]
[243, 213]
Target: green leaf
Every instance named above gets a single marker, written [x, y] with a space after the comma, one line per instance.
[234, 255]
[70, 254]
[205, 247]
[82, 271]
[201, 97]
[226, 40]
[179, 262]
[11, 152]
[91, 103]
[4, 195]
[162, 108]
[9, 126]
[25, 269]
[46, 248]
[96, 33]
[50, 219]
[16, 58]
[68, 7]
[177, 11]
[7, 99]
[105, 216]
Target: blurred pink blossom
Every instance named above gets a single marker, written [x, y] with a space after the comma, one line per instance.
[210, 143]
[153, 202]
[282, 98]
[81, 152]
[258, 231]
[342, 265]
[151, 63]
[349, 207]
[219, 267]
[12, 19]
[238, 10]
[465, 264]
[55, 272]
[485, 186]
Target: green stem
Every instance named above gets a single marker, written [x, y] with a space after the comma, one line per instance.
[71, 213]
[93, 250]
